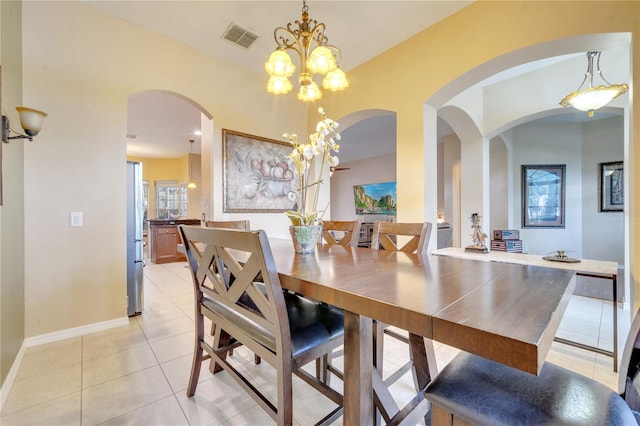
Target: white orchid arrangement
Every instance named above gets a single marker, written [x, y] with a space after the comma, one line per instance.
[321, 143]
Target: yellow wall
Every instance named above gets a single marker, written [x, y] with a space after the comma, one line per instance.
[12, 263]
[81, 66]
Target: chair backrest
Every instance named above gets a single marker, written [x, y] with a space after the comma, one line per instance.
[351, 230]
[228, 224]
[225, 266]
[384, 234]
[629, 374]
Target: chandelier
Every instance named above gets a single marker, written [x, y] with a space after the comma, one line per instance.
[308, 39]
[593, 98]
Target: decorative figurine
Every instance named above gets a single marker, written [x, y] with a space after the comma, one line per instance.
[560, 256]
[478, 236]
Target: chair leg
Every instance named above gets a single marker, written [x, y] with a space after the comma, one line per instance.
[217, 368]
[323, 364]
[378, 349]
[196, 363]
[220, 339]
[378, 345]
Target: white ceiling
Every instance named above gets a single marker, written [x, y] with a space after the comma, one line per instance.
[160, 125]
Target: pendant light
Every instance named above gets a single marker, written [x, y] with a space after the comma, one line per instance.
[191, 184]
[593, 98]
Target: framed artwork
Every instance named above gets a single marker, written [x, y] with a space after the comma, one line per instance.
[258, 176]
[611, 187]
[543, 193]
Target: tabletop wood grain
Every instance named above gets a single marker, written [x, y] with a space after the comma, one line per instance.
[505, 312]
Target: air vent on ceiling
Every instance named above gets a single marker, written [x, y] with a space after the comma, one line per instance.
[240, 36]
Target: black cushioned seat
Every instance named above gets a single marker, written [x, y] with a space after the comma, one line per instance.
[310, 323]
[484, 392]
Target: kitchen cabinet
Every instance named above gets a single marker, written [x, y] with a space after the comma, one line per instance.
[164, 239]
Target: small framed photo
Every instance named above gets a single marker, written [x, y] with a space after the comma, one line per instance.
[543, 193]
[258, 175]
[611, 187]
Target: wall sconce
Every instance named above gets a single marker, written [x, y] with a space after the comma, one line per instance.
[31, 121]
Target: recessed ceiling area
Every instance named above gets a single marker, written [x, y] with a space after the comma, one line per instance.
[160, 125]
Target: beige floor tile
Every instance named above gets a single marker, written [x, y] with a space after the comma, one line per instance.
[173, 289]
[309, 406]
[43, 388]
[216, 401]
[574, 359]
[253, 416]
[61, 411]
[173, 347]
[53, 358]
[178, 372]
[154, 314]
[122, 395]
[105, 368]
[164, 329]
[164, 412]
[52, 345]
[100, 345]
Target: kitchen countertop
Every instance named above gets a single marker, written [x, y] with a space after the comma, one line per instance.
[172, 222]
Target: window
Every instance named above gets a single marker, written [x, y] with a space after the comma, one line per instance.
[184, 199]
[167, 199]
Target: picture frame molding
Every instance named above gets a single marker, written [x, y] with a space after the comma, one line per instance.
[605, 196]
[527, 220]
[236, 204]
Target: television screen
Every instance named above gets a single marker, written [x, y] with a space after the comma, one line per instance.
[375, 198]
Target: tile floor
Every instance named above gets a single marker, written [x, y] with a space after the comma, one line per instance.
[138, 374]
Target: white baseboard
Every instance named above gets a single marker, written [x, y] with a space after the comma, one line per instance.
[75, 332]
[49, 338]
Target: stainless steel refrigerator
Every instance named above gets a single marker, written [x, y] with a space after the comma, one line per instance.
[135, 242]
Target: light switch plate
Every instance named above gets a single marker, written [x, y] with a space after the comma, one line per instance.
[75, 219]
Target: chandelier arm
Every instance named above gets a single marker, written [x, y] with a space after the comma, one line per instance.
[600, 72]
[317, 33]
[283, 42]
[337, 52]
[586, 75]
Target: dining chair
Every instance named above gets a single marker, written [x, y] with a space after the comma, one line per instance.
[387, 236]
[350, 230]
[479, 391]
[228, 224]
[286, 330]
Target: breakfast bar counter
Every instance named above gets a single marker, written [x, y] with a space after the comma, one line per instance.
[163, 237]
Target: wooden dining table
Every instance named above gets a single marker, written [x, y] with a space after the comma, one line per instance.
[508, 313]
